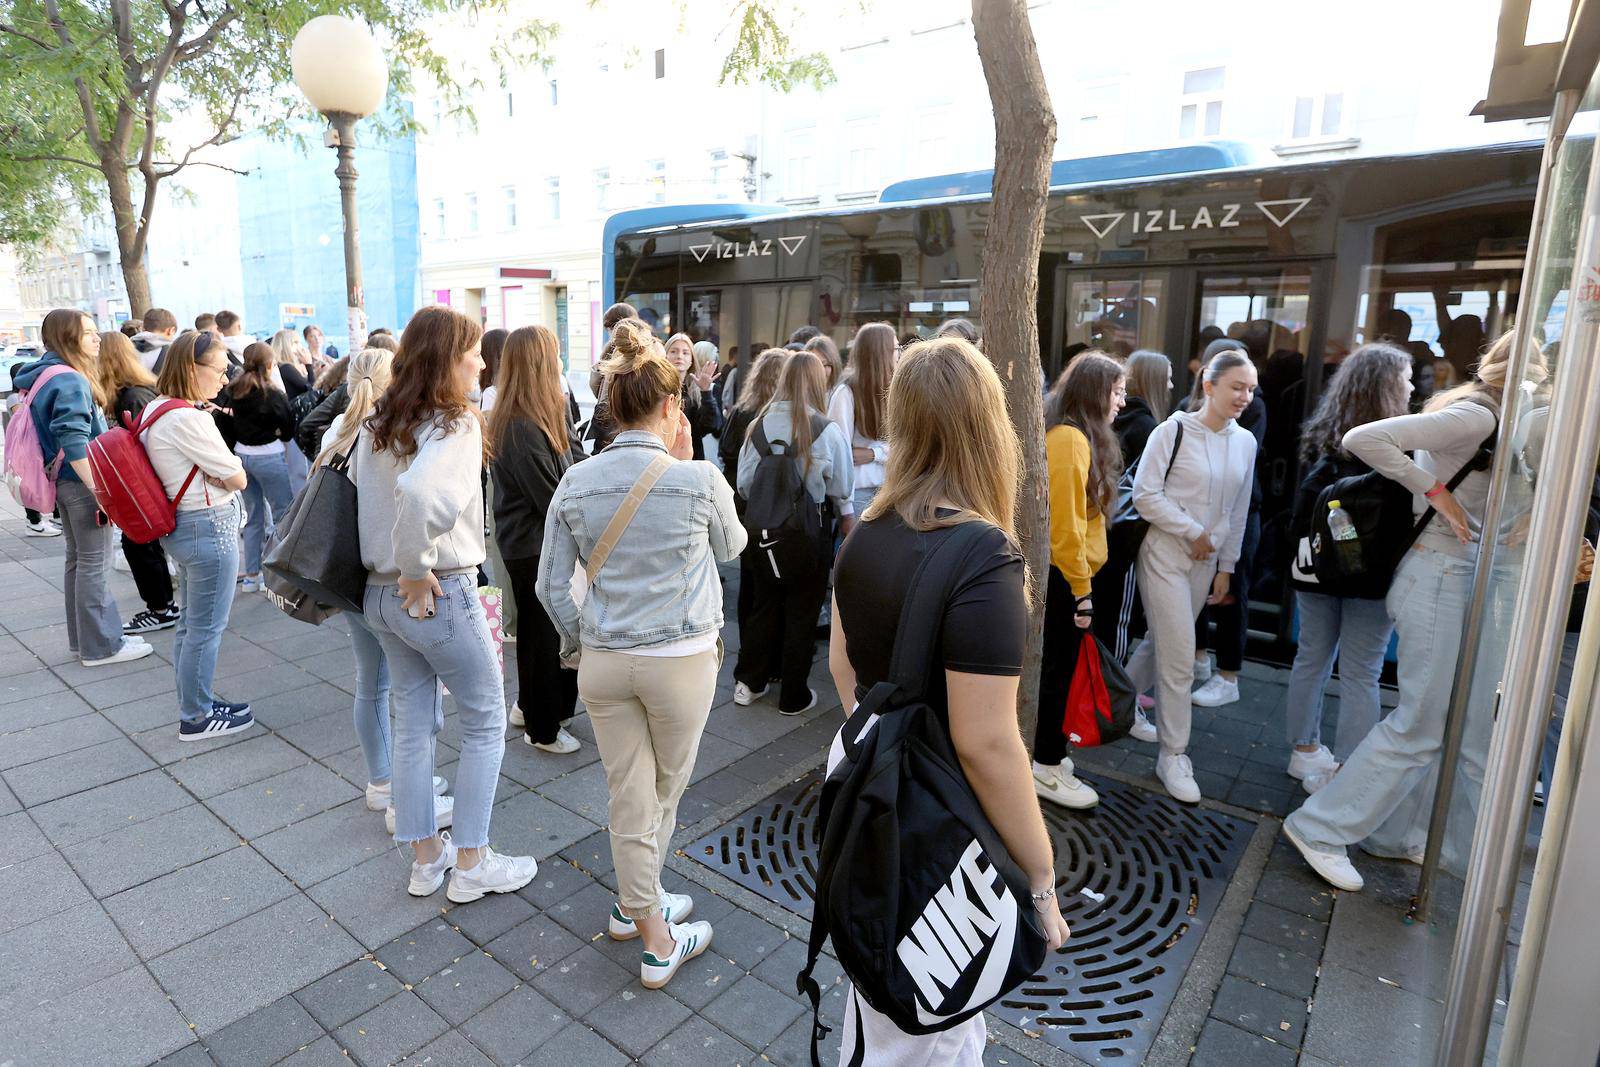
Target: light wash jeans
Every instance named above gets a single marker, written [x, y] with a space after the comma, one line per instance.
[1383, 795]
[861, 497]
[266, 499]
[1357, 632]
[453, 647]
[205, 546]
[371, 710]
[299, 467]
[94, 627]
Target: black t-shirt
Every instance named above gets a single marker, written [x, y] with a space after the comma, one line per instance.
[985, 619]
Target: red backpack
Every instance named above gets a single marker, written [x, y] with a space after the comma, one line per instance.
[126, 486]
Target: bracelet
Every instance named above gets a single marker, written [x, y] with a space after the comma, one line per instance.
[1042, 896]
[1438, 487]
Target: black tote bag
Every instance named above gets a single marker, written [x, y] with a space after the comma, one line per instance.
[320, 551]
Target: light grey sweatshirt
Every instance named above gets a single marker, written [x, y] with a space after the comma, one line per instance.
[1208, 489]
[424, 513]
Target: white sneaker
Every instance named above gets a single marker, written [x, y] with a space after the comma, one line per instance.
[1203, 669]
[1177, 774]
[688, 941]
[380, 797]
[444, 813]
[119, 562]
[1303, 765]
[42, 528]
[426, 878]
[744, 696]
[493, 874]
[1313, 782]
[1060, 786]
[1334, 868]
[675, 907]
[132, 649]
[564, 745]
[1142, 729]
[1216, 692]
[514, 716]
[802, 711]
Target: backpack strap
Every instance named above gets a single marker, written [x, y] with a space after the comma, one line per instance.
[758, 437]
[624, 515]
[147, 419]
[1177, 443]
[1480, 460]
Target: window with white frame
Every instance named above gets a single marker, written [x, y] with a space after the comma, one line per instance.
[1317, 115]
[510, 195]
[438, 218]
[472, 212]
[656, 173]
[800, 164]
[1200, 114]
[661, 63]
[933, 141]
[719, 172]
[552, 192]
[602, 189]
[860, 155]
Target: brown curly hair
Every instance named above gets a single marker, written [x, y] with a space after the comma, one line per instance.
[425, 388]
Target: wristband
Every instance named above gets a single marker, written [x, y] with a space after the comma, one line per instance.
[1438, 487]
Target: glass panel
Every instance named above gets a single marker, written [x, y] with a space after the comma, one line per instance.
[1213, 118]
[776, 311]
[653, 308]
[1332, 113]
[1186, 121]
[1302, 116]
[1116, 313]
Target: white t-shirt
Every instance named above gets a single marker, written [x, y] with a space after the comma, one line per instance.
[181, 440]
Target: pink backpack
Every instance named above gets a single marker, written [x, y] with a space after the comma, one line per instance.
[32, 483]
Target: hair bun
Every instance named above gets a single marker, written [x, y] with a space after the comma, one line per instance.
[631, 339]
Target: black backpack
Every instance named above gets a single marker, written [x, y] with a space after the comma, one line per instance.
[930, 917]
[1381, 512]
[1125, 533]
[789, 532]
[304, 404]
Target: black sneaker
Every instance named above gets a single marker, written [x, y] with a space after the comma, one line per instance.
[222, 707]
[148, 622]
[214, 725]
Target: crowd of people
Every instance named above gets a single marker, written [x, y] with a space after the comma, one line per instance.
[837, 470]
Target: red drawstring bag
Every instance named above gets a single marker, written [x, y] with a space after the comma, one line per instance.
[1101, 699]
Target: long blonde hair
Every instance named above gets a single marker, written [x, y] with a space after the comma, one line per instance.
[287, 347]
[1148, 374]
[119, 369]
[528, 386]
[803, 384]
[952, 442]
[1489, 377]
[370, 372]
[755, 393]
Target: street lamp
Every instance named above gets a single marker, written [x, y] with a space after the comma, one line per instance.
[341, 70]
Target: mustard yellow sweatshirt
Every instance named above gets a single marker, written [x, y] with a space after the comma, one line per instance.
[1077, 529]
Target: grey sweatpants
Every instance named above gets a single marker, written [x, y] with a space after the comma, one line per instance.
[94, 626]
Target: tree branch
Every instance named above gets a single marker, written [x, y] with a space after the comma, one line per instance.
[196, 47]
[54, 159]
[196, 163]
[218, 137]
[91, 118]
[8, 28]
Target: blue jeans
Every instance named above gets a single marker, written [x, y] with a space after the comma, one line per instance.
[371, 709]
[1383, 795]
[299, 467]
[266, 487]
[1357, 632]
[860, 498]
[205, 546]
[453, 647]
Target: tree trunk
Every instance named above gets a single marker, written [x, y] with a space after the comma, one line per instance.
[1024, 141]
[130, 251]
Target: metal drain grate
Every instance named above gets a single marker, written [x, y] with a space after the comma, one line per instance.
[1159, 867]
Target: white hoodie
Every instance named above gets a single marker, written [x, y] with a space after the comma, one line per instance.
[1207, 490]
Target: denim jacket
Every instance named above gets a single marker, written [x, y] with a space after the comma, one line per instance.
[660, 583]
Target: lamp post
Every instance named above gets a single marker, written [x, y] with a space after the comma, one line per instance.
[341, 70]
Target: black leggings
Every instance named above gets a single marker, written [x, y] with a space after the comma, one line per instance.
[783, 616]
[1232, 620]
[547, 692]
[149, 566]
[1062, 639]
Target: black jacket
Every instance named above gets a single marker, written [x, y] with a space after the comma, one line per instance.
[703, 419]
[1133, 426]
[526, 471]
[308, 435]
[294, 380]
[131, 400]
[259, 417]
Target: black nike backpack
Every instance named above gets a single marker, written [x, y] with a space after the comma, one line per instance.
[789, 532]
[930, 917]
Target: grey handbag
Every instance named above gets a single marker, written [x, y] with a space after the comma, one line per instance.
[319, 550]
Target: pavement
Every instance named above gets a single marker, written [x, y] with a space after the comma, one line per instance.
[233, 902]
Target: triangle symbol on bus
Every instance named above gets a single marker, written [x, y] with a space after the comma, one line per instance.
[700, 252]
[1272, 209]
[792, 244]
[1103, 224]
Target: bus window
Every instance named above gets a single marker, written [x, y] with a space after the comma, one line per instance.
[711, 315]
[655, 309]
[1117, 313]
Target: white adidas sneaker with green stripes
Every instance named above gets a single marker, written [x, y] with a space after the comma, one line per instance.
[689, 940]
[675, 907]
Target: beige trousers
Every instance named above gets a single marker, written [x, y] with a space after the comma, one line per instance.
[648, 714]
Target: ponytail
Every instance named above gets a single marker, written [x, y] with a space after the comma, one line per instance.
[369, 375]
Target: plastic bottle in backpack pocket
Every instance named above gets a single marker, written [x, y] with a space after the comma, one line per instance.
[1345, 540]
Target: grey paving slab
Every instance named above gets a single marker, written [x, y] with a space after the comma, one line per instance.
[122, 1019]
[370, 900]
[322, 846]
[704, 979]
[75, 772]
[585, 912]
[146, 713]
[58, 954]
[33, 888]
[746, 939]
[1285, 929]
[158, 677]
[716, 752]
[1341, 1029]
[527, 765]
[529, 824]
[466, 987]
[241, 968]
[99, 811]
[1260, 1010]
[753, 1010]
[579, 983]
[582, 791]
[486, 919]
[20, 839]
[557, 879]
[451, 1050]
[697, 1043]
[1296, 895]
[265, 1036]
[1369, 938]
[257, 809]
[216, 771]
[352, 990]
[515, 1025]
[149, 849]
[1222, 1045]
[323, 735]
[533, 947]
[29, 686]
[391, 1031]
[263, 682]
[164, 747]
[323, 1052]
[163, 913]
[8, 800]
[193, 1054]
[1274, 967]
[576, 1044]
[285, 708]
[52, 708]
[638, 1019]
[425, 950]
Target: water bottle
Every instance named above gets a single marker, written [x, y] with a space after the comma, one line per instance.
[1346, 543]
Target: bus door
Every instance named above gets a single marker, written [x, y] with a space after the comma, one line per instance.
[1116, 310]
[745, 318]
